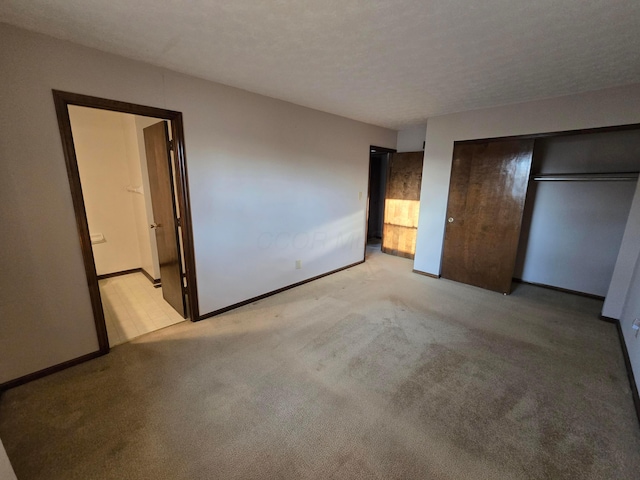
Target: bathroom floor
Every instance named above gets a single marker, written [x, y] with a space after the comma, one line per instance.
[133, 307]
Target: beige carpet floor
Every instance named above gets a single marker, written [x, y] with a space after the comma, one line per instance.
[371, 373]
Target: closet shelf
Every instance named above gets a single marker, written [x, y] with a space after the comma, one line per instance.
[586, 177]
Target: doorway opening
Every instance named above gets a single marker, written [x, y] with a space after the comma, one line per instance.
[379, 158]
[127, 173]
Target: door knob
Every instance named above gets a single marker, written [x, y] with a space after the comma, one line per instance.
[450, 220]
[154, 225]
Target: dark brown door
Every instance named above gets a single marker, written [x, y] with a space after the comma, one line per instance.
[156, 142]
[402, 204]
[486, 200]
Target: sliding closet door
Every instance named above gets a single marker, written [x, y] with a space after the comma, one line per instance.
[486, 200]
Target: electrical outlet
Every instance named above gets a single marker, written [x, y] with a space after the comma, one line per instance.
[298, 264]
[359, 195]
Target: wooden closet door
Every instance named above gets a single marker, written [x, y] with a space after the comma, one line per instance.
[484, 215]
[402, 204]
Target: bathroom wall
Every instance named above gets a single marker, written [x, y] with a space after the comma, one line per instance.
[106, 169]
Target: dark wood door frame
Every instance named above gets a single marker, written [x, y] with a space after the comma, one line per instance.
[372, 149]
[62, 100]
[559, 133]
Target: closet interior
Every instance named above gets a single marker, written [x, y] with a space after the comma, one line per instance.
[578, 199]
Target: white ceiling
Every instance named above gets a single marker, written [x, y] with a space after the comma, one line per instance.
[391, 63]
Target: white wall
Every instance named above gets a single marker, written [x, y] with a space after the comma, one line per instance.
[271, 183]
[410, 139]
[105, 173]
[571, 231]
[574, 233]
[628, 257]
[142, 230]
[631, 311]
[6, 470]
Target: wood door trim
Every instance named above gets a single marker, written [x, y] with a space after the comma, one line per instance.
[119, 274]
[381, 150]
[154, 281]
[559, 289]
[430, 275]
[186, 222]
[367, 211]
[49, 370]
[534, 136]
[61, 101]
[275, 292]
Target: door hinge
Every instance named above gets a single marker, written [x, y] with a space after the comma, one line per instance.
[170, 145]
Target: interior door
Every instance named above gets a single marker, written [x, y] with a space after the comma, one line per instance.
[484, 215]
[402, 204]
[161, 186]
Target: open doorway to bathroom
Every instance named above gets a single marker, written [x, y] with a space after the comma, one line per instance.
[128, 182]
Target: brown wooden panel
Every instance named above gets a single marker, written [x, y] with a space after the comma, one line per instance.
[405, 176]
[402, 204]
[156, 140]
[484, 215]
[401, 241]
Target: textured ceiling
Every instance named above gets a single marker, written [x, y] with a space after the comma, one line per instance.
[391, 63]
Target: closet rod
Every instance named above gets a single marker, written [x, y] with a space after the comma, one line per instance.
[586, 177]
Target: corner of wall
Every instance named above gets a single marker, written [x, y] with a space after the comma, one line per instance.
[411, 139]
[628, 258]
[6, 470]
